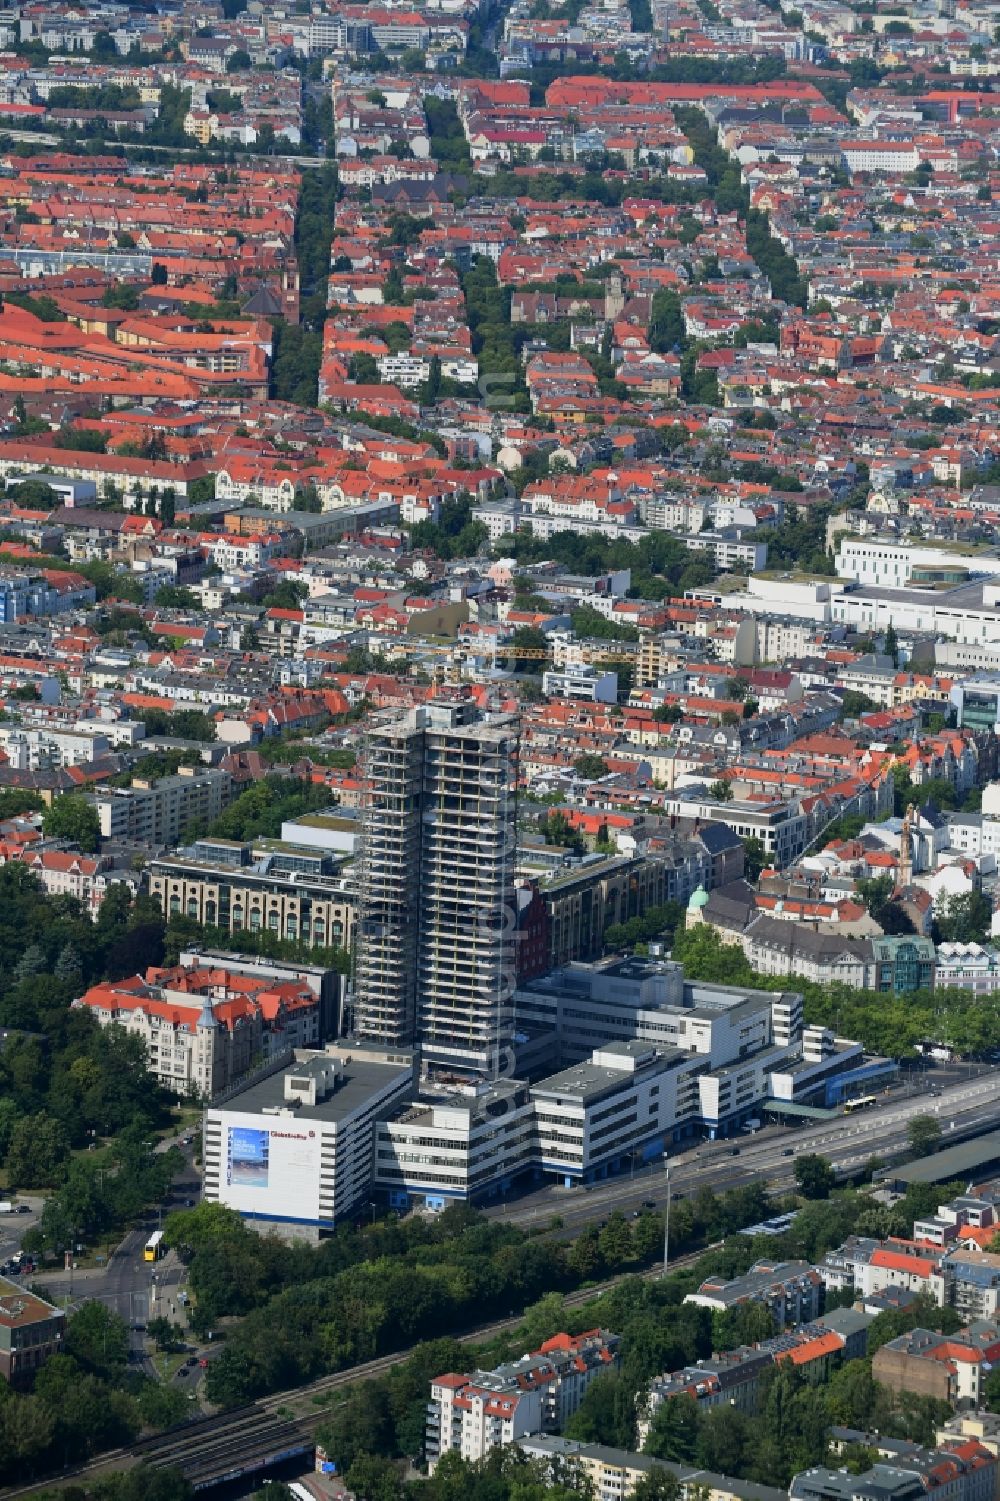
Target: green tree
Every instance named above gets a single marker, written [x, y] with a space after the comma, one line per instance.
[590, 767]
[97, 1338]
[170, 597]
[673, 1433]
[360, 1425]
[725, 1439]
[721, 790]
[73, 818]
[104, 49]
[588, 622]
[875, 892]
[938, 791]
[556, 828]
[375, 1478]
[991, 1390]
[166, 1335]
[38, 1148]
[706, 957]
[657, 1484]
[964, 919]
[605, 1416]
[615, 1240]
[666, 326]
[288, 595]
[924, 1134]
[755, 856]
[814, 1175]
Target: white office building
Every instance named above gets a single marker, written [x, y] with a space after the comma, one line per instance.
[293, 1151]
[585, 683]
[456, 1146]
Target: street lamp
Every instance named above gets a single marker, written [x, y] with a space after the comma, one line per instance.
[666, 1218]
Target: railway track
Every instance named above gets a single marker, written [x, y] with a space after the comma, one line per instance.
[285, 1401]
[280, 1424]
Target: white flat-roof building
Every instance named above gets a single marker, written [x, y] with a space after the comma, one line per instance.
[628, 1095]
[456, 1146]
[582, 683]
[293, 1152]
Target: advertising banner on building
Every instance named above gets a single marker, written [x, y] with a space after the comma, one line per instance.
[271, 1169]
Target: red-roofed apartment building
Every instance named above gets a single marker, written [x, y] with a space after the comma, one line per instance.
[204, 1024]
[473, 1414]
[951, 1367]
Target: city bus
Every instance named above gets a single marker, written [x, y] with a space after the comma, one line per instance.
[154, 1247]
[864, 1103]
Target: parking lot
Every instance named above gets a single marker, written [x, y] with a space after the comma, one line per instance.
[13, 1225]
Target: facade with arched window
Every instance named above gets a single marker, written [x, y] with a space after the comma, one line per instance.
[317, 911]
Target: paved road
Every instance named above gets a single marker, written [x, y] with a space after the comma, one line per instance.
[848, 1141]
[133, 1287]
[307, 1404]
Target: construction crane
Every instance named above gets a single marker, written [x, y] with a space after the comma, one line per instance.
[408, 646]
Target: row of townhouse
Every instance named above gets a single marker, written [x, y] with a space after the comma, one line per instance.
[732, 1378]
[470, 1415]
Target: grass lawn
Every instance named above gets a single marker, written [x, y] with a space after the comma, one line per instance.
[184, 1119]
[168, 1363]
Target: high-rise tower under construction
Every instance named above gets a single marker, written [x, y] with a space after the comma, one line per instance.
[437, 916]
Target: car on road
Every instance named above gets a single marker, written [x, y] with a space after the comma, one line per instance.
[734, 1151]
[24, 1208]
[649, 1204]
[182, 1370]
[788, 1152]
[203, 1363]
[191, 1360]
[189, 1203]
